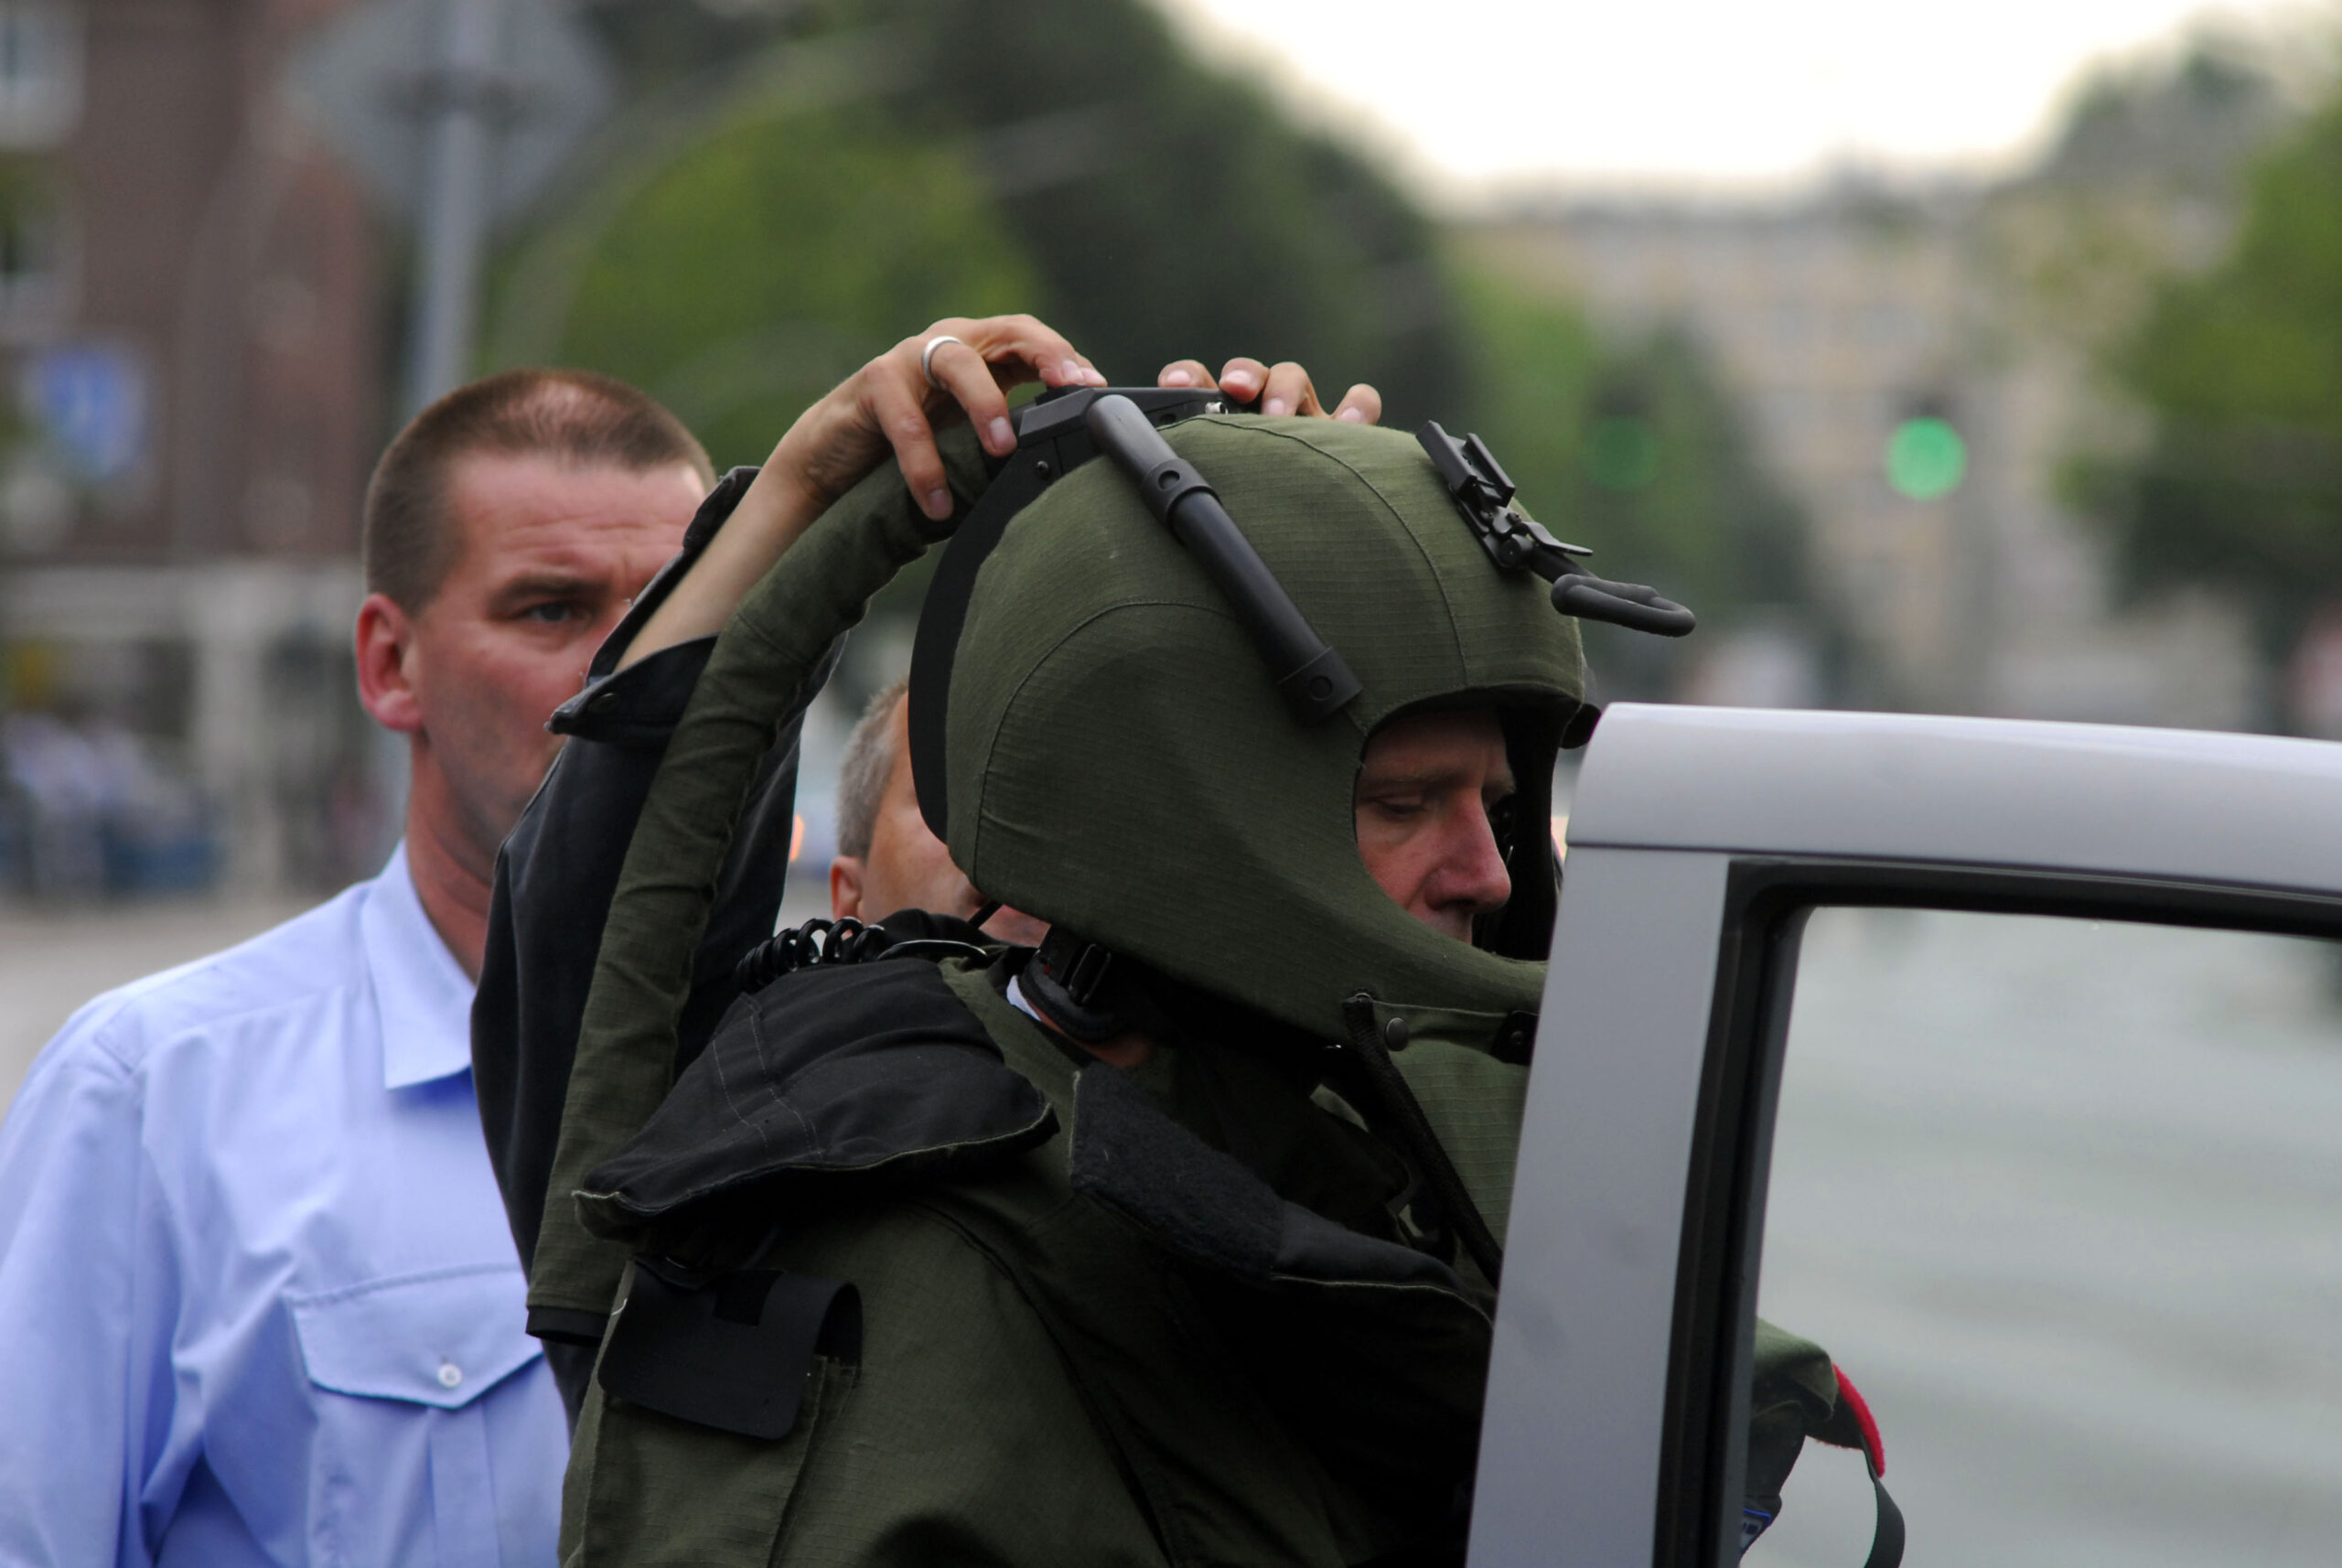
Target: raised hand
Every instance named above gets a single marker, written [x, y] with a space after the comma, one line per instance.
[1280, 388]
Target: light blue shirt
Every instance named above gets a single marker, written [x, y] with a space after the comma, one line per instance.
[258, 1302]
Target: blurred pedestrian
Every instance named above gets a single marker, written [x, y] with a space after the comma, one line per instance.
[61, 781]
[887, 859]
[100, 812]
[260, 1306]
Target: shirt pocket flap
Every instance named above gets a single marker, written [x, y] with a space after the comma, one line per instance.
[442, 1337]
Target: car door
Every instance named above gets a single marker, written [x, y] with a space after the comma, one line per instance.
[2004, 1059]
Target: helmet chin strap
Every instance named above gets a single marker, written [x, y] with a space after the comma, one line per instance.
[1053, 438]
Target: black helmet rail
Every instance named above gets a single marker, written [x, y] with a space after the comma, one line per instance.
[1313, 679]
[1056, 434]
[1053, 438]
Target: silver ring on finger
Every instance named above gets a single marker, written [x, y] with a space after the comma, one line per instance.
[927, 357]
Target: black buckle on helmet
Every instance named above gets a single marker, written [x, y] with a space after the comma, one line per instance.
[1068, 981]
[1515, 541]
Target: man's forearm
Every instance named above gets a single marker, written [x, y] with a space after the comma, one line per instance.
[769, 518]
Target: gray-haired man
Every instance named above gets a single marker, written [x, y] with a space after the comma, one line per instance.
[886, 859]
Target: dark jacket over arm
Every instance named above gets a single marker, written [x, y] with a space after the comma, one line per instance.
[556, 874]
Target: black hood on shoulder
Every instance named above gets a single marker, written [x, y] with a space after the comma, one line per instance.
[874, 1071]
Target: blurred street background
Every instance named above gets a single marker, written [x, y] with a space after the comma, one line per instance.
[1980, 364]
[2060, 1193]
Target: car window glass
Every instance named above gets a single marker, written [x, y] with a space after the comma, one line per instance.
[2064, 1198]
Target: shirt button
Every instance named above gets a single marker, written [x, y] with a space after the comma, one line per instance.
[450, 1374]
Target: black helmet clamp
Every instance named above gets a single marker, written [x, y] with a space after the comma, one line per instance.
[1513, 540]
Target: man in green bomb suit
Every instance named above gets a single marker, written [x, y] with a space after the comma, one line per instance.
[1175, 1240]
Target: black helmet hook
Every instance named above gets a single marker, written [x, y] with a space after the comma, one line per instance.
[1483, 493]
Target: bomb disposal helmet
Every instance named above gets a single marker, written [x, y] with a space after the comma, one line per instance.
[1150, 735]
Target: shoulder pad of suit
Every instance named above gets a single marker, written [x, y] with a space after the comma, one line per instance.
[857, 1074]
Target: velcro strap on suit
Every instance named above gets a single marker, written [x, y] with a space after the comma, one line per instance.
[727, 1350]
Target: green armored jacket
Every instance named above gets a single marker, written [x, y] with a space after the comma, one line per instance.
[912, 1281]
[1019, 1309]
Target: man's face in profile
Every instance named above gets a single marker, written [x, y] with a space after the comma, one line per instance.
[908, 866]
[1426, 792]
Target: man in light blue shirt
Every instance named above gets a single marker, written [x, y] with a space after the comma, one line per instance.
[258, 1300]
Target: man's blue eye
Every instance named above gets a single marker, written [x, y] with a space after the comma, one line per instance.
[553, 612]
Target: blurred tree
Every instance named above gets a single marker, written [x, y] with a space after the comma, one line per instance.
[2237, 483]
[2141, 184]
[665, 43]
[795, 183]
[1634, 451]
[1161, 209]
[1173, 210]
[741, 278]
[2185, 126]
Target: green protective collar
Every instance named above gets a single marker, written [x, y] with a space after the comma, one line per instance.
[1121, 764]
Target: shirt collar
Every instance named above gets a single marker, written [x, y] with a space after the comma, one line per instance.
[422, 997]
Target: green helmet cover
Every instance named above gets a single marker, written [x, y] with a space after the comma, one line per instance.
[1121, 765]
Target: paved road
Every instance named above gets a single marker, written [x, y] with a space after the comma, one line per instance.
[52, 961]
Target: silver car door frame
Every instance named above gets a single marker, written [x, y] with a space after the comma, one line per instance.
[1697, 839]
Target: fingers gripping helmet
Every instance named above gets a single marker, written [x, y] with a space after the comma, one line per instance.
[1097, 737]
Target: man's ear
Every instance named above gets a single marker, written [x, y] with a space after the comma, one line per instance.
[845, 887]
[386, 665]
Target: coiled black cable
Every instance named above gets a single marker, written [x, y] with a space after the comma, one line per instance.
[842, 940]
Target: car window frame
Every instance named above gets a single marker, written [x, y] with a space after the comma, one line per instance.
[1586, 1369]
[1767, 900]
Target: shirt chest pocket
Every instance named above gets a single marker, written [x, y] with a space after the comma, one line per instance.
[408, 1474]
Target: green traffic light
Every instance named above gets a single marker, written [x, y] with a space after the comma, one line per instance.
[1925, 458]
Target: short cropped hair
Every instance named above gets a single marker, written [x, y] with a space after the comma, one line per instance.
[575, 416]
[863, 771]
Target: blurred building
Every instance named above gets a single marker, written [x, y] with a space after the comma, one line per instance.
[1915, 362]
[190, 366]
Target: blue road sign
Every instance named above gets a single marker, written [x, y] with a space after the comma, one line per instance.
[92, 401]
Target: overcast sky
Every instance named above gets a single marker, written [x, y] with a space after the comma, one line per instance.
[1698, 92]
